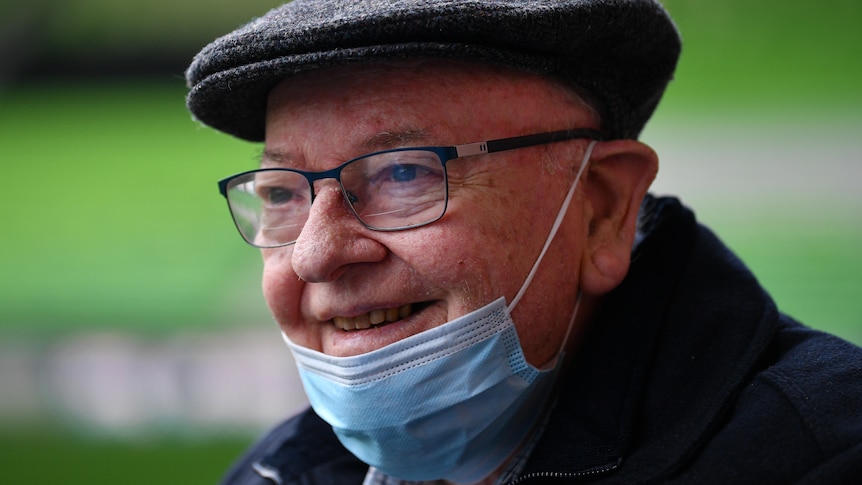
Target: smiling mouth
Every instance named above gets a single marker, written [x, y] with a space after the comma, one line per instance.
[373, 318]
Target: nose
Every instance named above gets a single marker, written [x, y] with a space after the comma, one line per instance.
[332, 239]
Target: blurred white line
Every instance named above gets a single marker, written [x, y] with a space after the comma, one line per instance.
[241, 380]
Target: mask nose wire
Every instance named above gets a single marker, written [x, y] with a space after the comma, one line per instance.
[557, 223]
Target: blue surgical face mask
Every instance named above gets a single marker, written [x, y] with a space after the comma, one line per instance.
[451, 403]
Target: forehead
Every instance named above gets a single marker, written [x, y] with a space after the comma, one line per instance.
[423, 94]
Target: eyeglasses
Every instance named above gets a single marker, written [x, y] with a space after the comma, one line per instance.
[391, 190]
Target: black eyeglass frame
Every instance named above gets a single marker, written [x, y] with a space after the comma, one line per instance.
[445, 153]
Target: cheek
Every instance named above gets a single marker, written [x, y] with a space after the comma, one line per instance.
[472, 255]
[281, 286]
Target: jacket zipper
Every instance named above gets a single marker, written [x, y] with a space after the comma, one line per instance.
[584, 474]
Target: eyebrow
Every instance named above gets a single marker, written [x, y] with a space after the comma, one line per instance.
[396, 139]
[381, 141]
[273, 156]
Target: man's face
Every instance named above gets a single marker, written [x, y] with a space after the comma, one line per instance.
[340, 275]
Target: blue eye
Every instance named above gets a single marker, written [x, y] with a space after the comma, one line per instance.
[403, 173]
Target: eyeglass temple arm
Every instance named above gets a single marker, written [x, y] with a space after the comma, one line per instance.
[503, 144]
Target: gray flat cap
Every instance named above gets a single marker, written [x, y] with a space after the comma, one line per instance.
[622, 52]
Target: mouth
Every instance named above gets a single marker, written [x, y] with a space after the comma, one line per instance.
[376, 318]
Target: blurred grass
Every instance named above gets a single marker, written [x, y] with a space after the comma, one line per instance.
[112, 215]
[36, 459]
[784, 56]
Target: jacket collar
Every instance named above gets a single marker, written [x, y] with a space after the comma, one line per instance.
[668, 351]
[305, 450]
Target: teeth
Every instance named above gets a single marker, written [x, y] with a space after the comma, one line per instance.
[362, 321]
[375, 317]
[392, 314]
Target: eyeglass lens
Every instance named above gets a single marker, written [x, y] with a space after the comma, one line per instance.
[390, 190]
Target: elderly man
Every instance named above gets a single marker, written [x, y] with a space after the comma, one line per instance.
[462, 256]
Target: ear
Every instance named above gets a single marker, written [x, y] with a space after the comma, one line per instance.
[618, 177]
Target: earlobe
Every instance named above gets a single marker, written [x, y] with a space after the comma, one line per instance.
[617, 180]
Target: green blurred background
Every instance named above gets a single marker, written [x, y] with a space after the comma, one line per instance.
[134, 342]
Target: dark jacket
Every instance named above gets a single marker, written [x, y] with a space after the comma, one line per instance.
[689, 374]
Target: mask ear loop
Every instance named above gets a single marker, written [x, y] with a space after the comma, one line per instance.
[557, 223]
